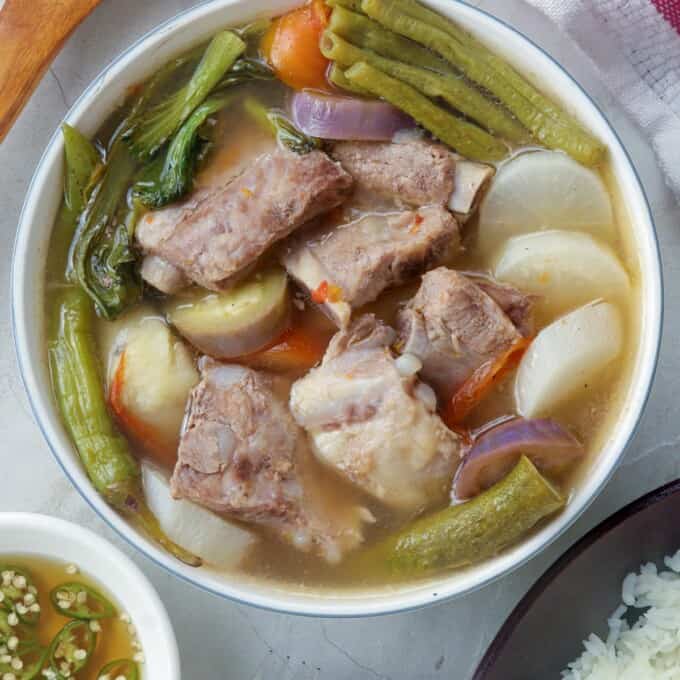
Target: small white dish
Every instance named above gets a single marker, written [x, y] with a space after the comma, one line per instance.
[42, 536]
[88, 113]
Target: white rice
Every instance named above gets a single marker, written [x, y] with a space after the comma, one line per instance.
[650, 649]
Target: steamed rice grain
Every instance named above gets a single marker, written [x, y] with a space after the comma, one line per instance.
[650, 648]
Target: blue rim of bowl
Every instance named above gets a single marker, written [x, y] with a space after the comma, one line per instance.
[431, 600]
[556, 568]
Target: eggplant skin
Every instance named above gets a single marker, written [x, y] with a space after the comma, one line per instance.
[235, 322]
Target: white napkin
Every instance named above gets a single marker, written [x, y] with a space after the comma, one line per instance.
[635, 46]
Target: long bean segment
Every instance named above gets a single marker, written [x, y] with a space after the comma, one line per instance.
[369, 34]
[113, 470]
[468, 139]
[354, 5]
[549, 124]
[454, 90]
[336, 75]
[472, 531]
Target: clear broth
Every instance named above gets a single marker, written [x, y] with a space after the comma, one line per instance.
[591, 415]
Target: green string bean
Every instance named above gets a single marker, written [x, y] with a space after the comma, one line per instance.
[468, 139]
[453, 90]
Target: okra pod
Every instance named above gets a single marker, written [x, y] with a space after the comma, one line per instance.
[466, 533]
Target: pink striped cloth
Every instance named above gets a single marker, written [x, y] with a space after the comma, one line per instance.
[635, 46]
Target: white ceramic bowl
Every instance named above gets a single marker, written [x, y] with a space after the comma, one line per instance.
[28, 534]
[36, 221]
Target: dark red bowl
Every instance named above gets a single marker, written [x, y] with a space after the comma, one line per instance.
[581, 589]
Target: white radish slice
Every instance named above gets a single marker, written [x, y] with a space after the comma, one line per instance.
[544, 190]
[564, 268]
[151, 375]
[195, 529]
[567, 356]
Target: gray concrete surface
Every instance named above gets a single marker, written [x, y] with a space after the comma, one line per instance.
[219, 639]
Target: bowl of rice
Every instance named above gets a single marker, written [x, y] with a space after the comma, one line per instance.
[608, 609]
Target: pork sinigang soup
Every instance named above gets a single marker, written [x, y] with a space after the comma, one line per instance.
[339, 298]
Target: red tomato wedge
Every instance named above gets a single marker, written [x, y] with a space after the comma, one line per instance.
[481, 382]
[291, 46]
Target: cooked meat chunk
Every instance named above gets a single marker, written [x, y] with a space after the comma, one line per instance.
[373, 421]
[216, 234]
[453, 326]
[412, 173]
[162, 275]
[516, 304]
[359, 260]
[242, 454]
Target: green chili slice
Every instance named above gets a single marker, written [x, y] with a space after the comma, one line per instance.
[71, 648]
[79, 601]
[32, 656]
[121, 668]
[19, 594]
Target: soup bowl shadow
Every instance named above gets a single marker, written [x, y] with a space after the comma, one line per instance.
[581, 589]
[28, 274]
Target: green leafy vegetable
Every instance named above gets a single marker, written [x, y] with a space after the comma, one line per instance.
[81, 160]
[158, 124]
[177, 168]
[101, 254]
[244, 70]
[277, 124]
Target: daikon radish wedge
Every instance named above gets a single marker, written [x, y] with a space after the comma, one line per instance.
[544, 190]
[564, 268]
[567, 356]
[216, 540]
[151, 375]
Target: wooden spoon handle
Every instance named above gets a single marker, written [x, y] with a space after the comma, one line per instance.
[31, 34]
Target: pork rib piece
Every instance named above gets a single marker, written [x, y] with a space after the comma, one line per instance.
[412, 173]
[455, 324]
[374, 423]
[216, 234]
[242, 454]
[359, 260]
